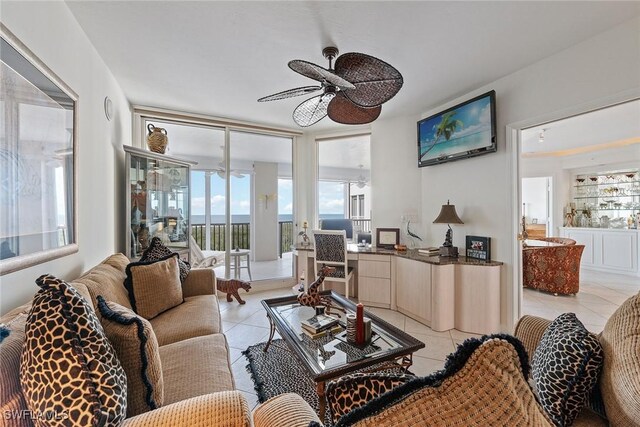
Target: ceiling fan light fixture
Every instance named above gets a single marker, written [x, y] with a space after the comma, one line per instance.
[354, 89]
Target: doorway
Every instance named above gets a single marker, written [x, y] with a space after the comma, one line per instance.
[588, 162]
[537, 206]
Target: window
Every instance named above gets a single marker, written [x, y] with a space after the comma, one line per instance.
[343, 189]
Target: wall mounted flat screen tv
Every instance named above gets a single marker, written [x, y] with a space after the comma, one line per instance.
[465, 130]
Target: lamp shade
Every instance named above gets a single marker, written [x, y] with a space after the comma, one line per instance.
[448, 215]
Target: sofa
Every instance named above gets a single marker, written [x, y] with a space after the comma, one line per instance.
[198, 381]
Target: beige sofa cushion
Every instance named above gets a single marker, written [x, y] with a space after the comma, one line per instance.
[154, 286]
[620, 378]
[195, 317]
[11, 398]
[195, 366]
[136, 345]
[107, 279]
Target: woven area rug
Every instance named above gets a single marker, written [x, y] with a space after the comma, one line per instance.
[278, 371]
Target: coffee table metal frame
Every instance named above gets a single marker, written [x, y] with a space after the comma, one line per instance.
[398, 357]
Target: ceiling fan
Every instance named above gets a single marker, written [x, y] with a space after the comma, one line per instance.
[220, 170]
[361, 181]
[353, 91]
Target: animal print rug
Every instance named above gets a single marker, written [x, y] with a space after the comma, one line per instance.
[278, 371]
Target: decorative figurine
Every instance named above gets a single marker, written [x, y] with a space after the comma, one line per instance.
[305, 238]
[231, 287]
[313, 298]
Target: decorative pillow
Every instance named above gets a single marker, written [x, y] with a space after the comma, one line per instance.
[68, 369]
[483, 383]
[4, 332]
[154, 286]
[137, 348]
[565, 368]
[620, 379]
[157, 251]
[352, 391]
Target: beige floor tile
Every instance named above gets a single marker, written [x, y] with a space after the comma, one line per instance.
[226, 326]
[412, 326]
[423, 366]
[243, 336]
[461, 336]
[435, 347]
[259, 318]
[393, 317]
[238, 314]
[242, 377]
[235, 354]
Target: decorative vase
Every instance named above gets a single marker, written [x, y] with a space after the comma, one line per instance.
[157, 139]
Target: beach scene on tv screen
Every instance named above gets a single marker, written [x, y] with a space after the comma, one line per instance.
[457, 131]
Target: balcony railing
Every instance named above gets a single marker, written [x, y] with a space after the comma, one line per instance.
[240, 237]
[362, 225]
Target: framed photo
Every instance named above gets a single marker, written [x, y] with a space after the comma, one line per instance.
[387, 238]
[479, 247]
[38, 201]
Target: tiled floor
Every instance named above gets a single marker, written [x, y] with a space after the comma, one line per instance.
[600, 295]
[262, 270]
[245, 325]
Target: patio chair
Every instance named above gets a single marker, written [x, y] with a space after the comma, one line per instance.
[204, 259]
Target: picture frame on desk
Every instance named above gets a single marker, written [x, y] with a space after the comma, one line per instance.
[478, 247]
[387, 238]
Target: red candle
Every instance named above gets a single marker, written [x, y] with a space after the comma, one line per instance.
[360, 324]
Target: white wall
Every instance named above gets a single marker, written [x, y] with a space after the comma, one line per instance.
[535, 199]
[481, 187]
[264, 216]
[50, 31]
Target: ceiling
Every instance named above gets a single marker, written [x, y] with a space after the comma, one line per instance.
[218, 58]
[611, 127]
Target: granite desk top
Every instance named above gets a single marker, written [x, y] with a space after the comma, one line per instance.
[412, 254]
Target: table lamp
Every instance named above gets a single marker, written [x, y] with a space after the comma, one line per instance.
[448, 216]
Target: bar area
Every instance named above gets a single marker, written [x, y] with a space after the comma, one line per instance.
[604, 215]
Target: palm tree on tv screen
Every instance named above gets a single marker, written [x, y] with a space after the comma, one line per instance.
[447, 127]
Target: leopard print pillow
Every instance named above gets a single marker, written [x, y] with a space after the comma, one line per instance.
[352, 391]
[69, 371]
[157, 251]
[565, 368]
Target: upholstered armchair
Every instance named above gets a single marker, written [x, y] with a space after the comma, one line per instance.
[554, 269]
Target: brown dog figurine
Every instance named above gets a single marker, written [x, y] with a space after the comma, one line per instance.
[231, 287]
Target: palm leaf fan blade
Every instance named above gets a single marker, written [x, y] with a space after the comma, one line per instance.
[375, 81]
[342, 110]
[312, 110]
[290, 93]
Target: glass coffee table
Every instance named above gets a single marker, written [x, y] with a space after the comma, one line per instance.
[332, 356]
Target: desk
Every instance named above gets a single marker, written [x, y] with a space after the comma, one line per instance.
[237, 262]
[441, 292]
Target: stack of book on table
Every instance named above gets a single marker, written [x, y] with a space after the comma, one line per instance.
[319, 325]
[429, 251]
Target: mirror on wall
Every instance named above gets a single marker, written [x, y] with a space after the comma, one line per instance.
[37, 160]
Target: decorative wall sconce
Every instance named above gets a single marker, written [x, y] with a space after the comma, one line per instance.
[266, 198]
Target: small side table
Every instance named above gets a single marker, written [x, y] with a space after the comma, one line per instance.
[237, 262]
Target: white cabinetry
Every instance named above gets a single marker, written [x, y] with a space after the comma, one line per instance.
[374, 280]
[413, 289]
[612, 250]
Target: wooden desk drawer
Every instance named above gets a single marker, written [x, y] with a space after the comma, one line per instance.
[374, 269]
[373, 257]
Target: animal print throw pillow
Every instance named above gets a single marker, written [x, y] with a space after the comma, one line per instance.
[137, 348]
[154, 286]
[157, 251]
[565, 368]
[69, 372]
